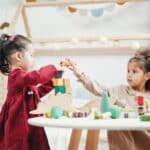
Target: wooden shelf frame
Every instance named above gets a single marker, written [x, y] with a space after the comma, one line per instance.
[22, 8]
[75, 2]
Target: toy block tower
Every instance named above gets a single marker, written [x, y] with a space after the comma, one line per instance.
[61, 97]
[61, 85]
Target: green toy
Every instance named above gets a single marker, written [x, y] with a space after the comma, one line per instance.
[104, 105]
[60, 89]
[98, 115]
[145, 117]
[115, 111]
[57, 112]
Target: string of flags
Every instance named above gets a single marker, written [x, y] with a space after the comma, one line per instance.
[95, 12]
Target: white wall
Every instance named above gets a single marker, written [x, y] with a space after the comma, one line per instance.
[130, 18]
[109, 70]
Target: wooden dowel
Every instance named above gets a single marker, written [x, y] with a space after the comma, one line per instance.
[26, 23]
[94, 38]
[15, 19]
[84, 51]
[74, 2]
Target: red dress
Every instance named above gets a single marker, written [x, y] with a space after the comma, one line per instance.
[24, 92]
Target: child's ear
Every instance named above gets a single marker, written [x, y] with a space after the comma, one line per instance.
[18, 56]
[147, 75]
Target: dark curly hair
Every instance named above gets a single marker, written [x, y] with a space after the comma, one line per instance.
[8, 45]
[143, 58]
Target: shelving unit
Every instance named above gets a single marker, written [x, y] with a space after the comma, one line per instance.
[22, 8]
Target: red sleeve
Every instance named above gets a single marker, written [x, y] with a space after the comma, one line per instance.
[41, 76]
[45, 88]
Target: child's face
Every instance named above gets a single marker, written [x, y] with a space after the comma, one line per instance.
[27, 59]
[136, 77]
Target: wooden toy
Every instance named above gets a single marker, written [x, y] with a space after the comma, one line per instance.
[57, 112]
[48, 115]
[59, 73]
[115, 111]
[98, 115]
[106, 115]
[145, 117]
[76, 114]
[60, 89]
[104, 104]
[58, 82]
[129, 112]
[140, 105]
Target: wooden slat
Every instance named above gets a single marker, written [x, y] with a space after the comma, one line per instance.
[92, 38]
[74, 2]
[84, 51]
[26, 23]
[15, 19]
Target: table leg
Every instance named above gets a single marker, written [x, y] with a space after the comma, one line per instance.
[75, 139]
[92, 140]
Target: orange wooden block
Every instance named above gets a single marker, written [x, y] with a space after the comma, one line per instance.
[66, 82]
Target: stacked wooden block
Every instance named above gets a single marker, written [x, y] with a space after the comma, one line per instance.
[61, 85]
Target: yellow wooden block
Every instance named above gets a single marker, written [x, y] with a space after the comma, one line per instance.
[58, 82]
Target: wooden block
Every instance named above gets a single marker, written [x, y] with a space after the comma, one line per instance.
[66, 82]
[60, 89]
[59, 73]
[58, 82]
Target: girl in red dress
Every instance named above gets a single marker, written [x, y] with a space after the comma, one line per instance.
[25, 88]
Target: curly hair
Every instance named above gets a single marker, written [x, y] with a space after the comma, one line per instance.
[143, 58]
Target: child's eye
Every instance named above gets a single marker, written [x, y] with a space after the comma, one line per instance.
[134, 71]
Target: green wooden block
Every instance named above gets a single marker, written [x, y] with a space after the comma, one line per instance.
[60, 89]
[145, 117]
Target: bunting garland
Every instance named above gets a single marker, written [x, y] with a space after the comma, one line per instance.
[95, 12]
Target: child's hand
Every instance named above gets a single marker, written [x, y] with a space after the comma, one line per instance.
[71, 65]
[67, 63]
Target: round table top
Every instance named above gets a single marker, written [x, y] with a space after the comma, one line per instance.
[88, 123]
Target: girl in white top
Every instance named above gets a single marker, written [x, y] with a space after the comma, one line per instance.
[138, 78]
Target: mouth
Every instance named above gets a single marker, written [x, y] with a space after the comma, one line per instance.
[129, 80]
